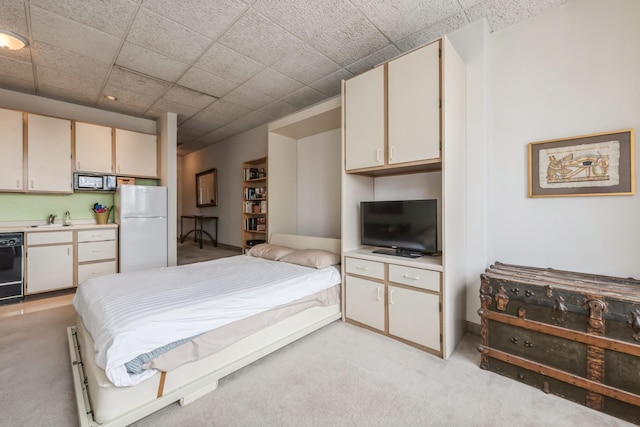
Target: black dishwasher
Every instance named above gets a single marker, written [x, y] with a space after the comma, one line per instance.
[11, 267]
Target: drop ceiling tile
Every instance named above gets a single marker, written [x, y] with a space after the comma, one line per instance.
[13, 17]
[62, 32]
[204, 82]
[304, 97]
[353, 39]
[199, 127]
[72, 80]
[128, 108]
[228, 64]
[18, 84]
[188, 134]
[399, 18]
[187, 96]
[305, 64]
[75, 96]
[227, 109]
[305, 19]
[272, 83]
[249, 98]
[75, 64]
[164, 105]
[219, 135]
[278, 109]
[468, 3]
[503, 13]
[137, 83]
[258, 38]
[209, 18]
[111, 17]
[432, 32]
[377, 58]
[22, 55]
[251, 120]
[159, 34]
[151, 63]
[332, 84]
[10, 67]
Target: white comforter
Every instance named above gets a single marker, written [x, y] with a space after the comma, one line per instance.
[129, 314]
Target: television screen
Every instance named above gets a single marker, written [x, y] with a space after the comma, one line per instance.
[409, 227]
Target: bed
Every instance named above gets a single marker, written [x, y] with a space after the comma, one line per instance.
[192, 369]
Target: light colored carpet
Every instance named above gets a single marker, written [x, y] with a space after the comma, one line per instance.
[340, 375]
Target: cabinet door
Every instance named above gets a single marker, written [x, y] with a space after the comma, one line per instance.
[414, 106]
[49, 268]
[11, 144]
[364, 120]
[136, 154]
[365, 302]
[89, 271]
[93, 148]
[48, 154]
[414, 316]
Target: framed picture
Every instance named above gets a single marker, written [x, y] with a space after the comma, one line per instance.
[589, 165]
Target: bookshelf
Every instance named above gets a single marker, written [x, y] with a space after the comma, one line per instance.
[254, 202]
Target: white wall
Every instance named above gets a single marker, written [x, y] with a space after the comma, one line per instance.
[319, 184]
[227, 157]
[571, 71]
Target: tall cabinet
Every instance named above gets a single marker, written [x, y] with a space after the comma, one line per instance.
[254, 202]
[404, 138]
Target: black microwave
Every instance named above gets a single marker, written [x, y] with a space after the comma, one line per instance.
[93, 182]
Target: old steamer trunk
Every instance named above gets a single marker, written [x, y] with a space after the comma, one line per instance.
[570, 334]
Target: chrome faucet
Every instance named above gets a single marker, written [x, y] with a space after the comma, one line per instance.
[52, 218]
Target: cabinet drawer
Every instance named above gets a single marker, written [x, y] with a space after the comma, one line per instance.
[88, 271]
[93, 251]
[416, 277]
[96, 235]
[363, 267]
[49, 237]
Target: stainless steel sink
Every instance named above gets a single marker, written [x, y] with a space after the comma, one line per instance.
[47, 225]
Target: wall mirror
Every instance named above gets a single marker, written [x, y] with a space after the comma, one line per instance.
[207, 188]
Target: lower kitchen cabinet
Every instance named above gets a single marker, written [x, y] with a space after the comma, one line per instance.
[64, 259]
[49, 261]
[97, 252]
[399, 301]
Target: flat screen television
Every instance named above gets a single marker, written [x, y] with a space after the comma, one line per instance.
[407, 227]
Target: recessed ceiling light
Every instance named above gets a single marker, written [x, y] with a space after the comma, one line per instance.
[12, 41]
[111, 97]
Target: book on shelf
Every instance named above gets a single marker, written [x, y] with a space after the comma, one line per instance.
[255, 193]
[250, 173]
[255, 224]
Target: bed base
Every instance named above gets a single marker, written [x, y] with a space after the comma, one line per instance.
[217, 366]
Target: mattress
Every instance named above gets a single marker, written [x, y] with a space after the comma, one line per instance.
[133, 313]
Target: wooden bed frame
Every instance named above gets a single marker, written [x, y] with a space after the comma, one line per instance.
[100, 403]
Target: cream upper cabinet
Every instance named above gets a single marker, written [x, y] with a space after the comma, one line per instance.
[365, 120]
[48, 154]
[392, 113]
[414, 106]
[11, 145]
[136, 154]
[93, 148]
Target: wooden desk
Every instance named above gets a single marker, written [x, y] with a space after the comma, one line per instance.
[198, 221]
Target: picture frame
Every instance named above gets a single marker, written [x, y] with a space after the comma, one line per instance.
[600, 164]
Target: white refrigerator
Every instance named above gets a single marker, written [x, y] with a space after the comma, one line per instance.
[141, 213]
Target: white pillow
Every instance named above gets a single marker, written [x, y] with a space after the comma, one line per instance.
[314, 258]
[269, 251]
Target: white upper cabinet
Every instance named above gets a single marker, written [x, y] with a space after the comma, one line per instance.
[392, 114]
[414, 105]
[93, 148]
[364, 120]
[136, 154]
[11, 146]
[48, 154]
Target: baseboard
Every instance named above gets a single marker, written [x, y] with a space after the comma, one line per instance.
[473, 328]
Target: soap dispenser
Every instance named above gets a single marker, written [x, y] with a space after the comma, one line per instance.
[67, 218]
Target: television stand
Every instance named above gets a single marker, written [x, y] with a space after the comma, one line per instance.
[399, 252]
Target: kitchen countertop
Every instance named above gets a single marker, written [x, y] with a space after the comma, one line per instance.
[22, 228]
